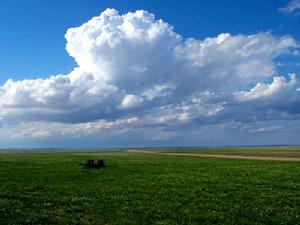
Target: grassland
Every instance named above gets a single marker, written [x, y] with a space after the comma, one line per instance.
[51, 188]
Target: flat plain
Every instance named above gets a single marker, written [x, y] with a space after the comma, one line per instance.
[139, 187]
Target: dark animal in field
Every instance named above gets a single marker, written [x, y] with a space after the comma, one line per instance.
[93, 164]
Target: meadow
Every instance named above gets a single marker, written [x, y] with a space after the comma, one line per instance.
[51, 188]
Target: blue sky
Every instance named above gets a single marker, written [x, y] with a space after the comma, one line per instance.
[33, 46]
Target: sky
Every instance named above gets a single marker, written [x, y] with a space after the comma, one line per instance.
[90, 73]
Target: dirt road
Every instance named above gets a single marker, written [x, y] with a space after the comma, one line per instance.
[216, 156]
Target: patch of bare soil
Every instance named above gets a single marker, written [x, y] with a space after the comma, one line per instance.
[218, 156]
[277, 152]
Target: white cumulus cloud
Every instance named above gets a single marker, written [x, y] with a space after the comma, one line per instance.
[135, 65]
[262, 90]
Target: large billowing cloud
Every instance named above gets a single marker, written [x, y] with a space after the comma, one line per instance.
[136, 71]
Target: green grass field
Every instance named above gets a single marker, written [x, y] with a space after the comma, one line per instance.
[51, 188]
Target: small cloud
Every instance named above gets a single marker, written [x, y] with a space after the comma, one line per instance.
[262, 90]
[131, 101]
[265, 129]
[293, 7]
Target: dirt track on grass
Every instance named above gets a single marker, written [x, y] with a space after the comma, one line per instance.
[263, 158]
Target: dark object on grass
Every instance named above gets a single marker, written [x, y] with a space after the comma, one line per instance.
[93, 164]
